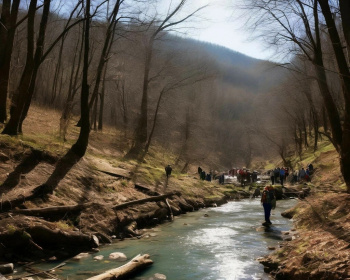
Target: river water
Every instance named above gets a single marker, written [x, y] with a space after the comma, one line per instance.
[219, 243]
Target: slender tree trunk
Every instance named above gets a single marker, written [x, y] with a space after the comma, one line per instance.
[142, 127]
[79, 148]
[94, 114]
[332, 112]
[300, 143]
[154, 121]
[8, 20]
[316, 125]
[305, 132]
[108, 42]
[344, 143]
[37, 62]
[19, 97]
[102, 99]
[57, 73]
[325, 120]
[345, 19]
[72, 89]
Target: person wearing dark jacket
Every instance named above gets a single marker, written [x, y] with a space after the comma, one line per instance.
[168, 170]
[268, 200]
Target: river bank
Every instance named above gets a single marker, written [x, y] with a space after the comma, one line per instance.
[320, 247]
[213, 243]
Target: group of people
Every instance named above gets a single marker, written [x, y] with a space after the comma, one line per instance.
[246, 176]
[304, 174]
[279, 175]
[204, 176]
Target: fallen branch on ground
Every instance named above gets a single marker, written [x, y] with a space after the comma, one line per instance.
[148, 199]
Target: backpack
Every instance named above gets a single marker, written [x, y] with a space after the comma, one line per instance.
[268, 196]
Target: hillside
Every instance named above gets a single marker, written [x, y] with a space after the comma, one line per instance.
[90, 189]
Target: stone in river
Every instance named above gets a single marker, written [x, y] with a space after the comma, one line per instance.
[80, 256]
[98, 258]
[159, 276]
[118, 256]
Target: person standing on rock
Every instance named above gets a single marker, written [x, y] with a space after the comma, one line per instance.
[268, 200]
[168, 170]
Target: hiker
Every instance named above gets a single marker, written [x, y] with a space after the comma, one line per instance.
[302, 174]
[282, 174]
[311, 168]
[295, 177]
[268, 200]
[208, 177]
[168, 170]
[199, 170]
[307, 175]
[256, 192]
[203, 175]
[276, 174]
[272, 177]
[286, 171]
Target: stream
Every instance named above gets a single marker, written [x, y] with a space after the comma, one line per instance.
[219, 243]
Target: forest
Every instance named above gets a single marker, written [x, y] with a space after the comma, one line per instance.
[128, 92]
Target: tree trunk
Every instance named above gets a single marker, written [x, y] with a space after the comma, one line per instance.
[79, 148]
[125, 271]
[154, 121]
[142, 127]
[345, 19]
[19, 98]
[332, 112]
[72, 89]
[144, 200]
[102, 100]
[57, 73]
[316, 125]
[344, 144]
[305, 133]
[8, 20]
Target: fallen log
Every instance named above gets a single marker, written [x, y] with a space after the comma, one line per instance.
[114, 174]
[59, 238]
[136, 264]
[52, 211]
[148, 199]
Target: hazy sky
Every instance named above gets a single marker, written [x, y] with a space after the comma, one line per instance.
[222, 23]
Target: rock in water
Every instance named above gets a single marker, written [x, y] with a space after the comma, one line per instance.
[6, 268]
[118, 256]
[80, 256]
[98, 258]
[159, 276]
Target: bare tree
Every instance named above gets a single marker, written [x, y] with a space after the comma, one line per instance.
[306, 39]
[79, 148]
[141, 131]
[8, 24]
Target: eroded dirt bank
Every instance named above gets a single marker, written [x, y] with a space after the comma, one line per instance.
[53, 209]
[320, 246]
